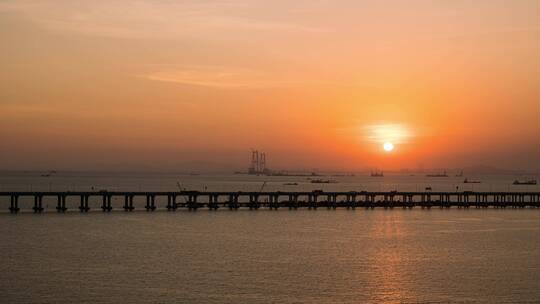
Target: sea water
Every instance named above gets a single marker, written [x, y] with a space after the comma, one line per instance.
[263, 256]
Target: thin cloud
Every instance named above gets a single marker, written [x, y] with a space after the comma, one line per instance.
[222, 78]
[150, 19]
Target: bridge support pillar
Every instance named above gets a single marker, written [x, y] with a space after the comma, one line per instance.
[84, 204]
[466, 201]
[331, 201]
[273, 201]
[150, 202]
[14, 205]
[192, 202]
[213, 202]
[312, 201]
[38, 205]
[128, 202]
[233, 202]
[106, 204]
[61, 204]
[351, 201]
[293, 201]
[169, 203]
[254, 202]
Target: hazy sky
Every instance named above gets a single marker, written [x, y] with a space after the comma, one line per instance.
[193, 85]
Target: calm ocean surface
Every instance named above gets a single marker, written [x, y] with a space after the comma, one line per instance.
[302, 256]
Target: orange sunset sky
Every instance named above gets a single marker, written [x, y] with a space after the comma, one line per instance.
[194, 85]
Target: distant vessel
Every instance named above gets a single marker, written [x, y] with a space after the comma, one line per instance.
[529, 182]
[290, 184]
[283, 173]
[467, 181]
[48, 174]
[323, 181]
[460, 174]
[438, 175]
[377, 174]
[344, 174]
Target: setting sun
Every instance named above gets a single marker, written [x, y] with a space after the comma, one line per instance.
[388, 146]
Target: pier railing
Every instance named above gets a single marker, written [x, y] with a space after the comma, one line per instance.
[193, 200]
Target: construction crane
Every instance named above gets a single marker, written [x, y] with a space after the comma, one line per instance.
[262, 187]
[181, 189]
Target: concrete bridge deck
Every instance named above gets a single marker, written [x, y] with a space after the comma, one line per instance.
[193, 200]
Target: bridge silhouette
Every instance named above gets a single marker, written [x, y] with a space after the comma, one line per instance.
[193, 200]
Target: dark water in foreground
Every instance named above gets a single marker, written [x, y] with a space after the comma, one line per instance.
[377, 256]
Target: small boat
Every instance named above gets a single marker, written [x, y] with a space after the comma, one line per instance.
[323, 181]
[467, 181]
[290, 184]
[438, 175]
[528, 182]
[48, 174]
[377, 174]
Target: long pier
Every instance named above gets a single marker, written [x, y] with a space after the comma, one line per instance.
[193, 200]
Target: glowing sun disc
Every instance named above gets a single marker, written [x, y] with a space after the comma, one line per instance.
[388, 146]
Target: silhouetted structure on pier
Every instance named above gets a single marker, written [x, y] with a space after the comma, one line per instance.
[193, 200]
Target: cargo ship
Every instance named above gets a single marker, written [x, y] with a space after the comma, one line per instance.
[323, 181]
[438, 175]
[528, 182]
[377, 174]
